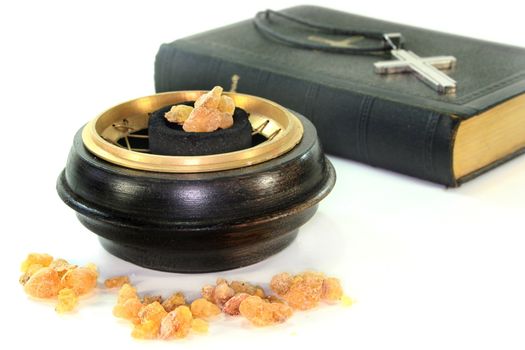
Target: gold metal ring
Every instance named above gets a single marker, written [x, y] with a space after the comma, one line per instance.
[282, 129]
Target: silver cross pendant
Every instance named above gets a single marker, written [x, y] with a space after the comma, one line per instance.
[426, 68]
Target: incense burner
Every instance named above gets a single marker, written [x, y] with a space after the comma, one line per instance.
[195, 213]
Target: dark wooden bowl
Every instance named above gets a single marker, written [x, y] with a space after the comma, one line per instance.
[198, 222]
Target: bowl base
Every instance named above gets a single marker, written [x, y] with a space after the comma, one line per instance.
[164, 259]
[199, 249]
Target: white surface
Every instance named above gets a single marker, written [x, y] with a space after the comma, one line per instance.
[430, 268]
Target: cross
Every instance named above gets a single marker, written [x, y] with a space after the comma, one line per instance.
[426, 69]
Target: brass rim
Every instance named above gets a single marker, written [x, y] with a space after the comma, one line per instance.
[282, 129]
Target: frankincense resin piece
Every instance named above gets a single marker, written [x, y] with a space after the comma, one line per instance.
[280, 283]
[204, 309]
[174, 301]
[222, 293]
[128, 304]
[61, 266]
[116, 282]
[231, 307]
[67, 300]
[243, 287]
[211, 111]
[145, 330]
[226, 105]
[302, 292]
[226, 121]
[204, 119]
[207, 292]
[126, 292]
[332, 290]
[129, 310]
[178, 114]
[176, 324]
[30, 271]
[82, 280]
[211, 99]
[150, 317]
[36, 258]
[152, 312]
[148, 299]
[262, 313]
[44, 283]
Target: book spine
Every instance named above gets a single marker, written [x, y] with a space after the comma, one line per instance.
[387, 134]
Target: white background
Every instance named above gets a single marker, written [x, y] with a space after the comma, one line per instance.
[430, 268]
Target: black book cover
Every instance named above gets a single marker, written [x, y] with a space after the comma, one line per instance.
[393, 122]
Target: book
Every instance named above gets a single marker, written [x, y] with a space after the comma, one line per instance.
[390, 121]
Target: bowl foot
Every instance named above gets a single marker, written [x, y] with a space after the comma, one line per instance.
[170, 259]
